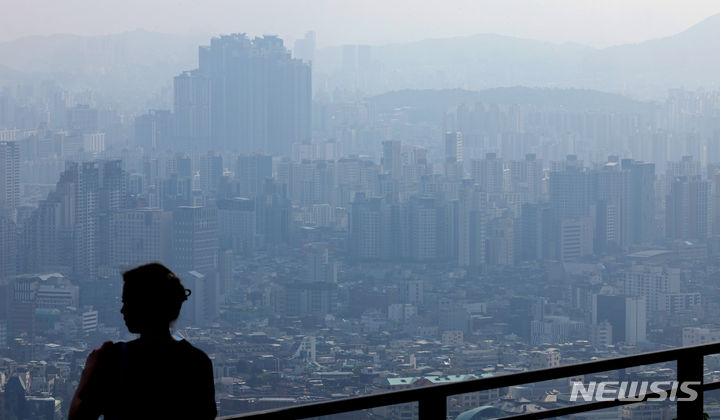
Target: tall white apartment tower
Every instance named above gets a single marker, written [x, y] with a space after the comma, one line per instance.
[9, 175]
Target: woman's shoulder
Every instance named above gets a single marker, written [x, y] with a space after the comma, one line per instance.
[112, 353]
[119, 347]
[191, 351]
[110, 350]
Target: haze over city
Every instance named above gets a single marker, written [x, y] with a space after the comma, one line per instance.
[369, 22]
[349, 199]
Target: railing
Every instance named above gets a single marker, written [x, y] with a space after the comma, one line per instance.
[432, 399]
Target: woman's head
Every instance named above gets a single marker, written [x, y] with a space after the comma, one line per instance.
[152, 298]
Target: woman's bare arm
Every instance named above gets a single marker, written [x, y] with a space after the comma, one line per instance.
[79, 408]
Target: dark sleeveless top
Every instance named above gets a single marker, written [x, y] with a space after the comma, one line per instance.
[135, 380]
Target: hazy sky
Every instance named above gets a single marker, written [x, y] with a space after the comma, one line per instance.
[598, 23]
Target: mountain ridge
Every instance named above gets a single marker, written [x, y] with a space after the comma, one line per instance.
[135, 65]
[428, 104]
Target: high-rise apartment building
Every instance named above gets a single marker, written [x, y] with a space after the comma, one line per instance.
[192, 110]
[575, 238]
[687, 209]
[686, 166]
[538, 233]
[623, 195]
[154, 130]
[488, 173]
[9, 200]
[273, 215]
[472, 225]
[83, 118]
[9, 175]
[569, 192]
[251, 173]
[501, 241]
[304, 49]
[526, 176]
[391, 159]
[715, 203]
[249, 93]
[321, 267]
[140, 236]
[112, 197]
[211, 172]
[626, 314]
[8, 247]
[366, 235]
[635, 320]
[423, 228]
[609, 186]
[454, 155]
[657, 283]
[640, 213]
[238, 221]
[202, 305]
[73, 224]
[195, 239]
[180, 164]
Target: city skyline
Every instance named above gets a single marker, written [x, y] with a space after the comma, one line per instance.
[358, 219]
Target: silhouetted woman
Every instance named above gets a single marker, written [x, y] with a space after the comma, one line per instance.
[154, 376]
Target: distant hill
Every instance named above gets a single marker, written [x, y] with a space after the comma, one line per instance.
[473, 62]
[644, 70]
[689, 59]
[430, 104]
[133, 67]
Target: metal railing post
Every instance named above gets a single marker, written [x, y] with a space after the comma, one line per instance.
[432, 408]
[690, 367]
